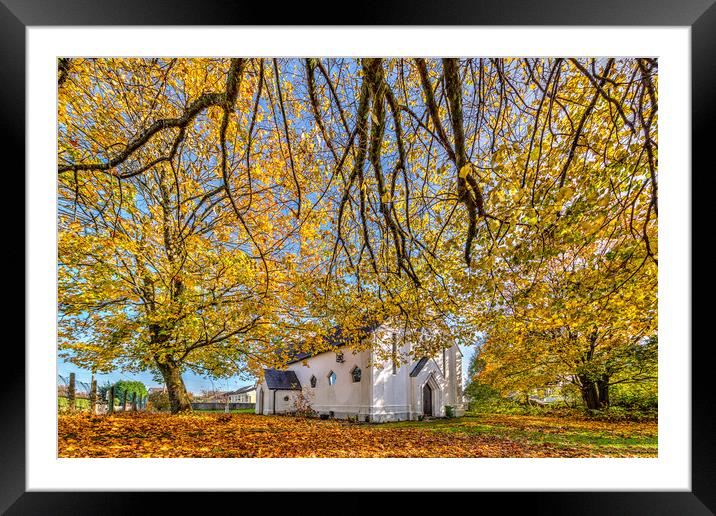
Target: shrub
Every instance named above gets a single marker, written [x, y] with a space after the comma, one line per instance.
[499, 405]
[476, 391]
[158, 401]
[512, 407]
[635, 397]
[449, 411]
[124, 390]
[302, 405]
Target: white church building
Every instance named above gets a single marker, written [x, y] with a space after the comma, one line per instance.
[362, 385]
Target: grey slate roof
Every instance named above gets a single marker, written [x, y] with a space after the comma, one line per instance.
[336, 338]
[419, 367]
[242, 390]
[281, 380]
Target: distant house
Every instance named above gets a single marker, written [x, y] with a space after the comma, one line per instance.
[243, 395]
[347, 384]
[212, 396]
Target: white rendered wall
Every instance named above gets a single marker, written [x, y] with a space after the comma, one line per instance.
[398, 396]
[391, 399]
[381, 395]
[345, 398]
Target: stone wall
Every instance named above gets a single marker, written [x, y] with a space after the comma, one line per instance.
[221, 406]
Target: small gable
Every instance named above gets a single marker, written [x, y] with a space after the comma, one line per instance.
[419, 367]
[282, 380]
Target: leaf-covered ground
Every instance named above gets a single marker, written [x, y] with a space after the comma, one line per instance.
[248, 435]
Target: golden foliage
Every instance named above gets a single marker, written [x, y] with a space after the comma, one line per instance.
[213, 211]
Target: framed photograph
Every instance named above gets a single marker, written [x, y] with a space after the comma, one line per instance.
[423, 252]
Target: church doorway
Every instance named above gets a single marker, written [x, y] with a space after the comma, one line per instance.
[427, 400]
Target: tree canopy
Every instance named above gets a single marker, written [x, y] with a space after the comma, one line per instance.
[212, 211]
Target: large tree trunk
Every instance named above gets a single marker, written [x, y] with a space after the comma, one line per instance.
[603, 385]
[595, 393]
[590, 395]
[178, 398]
[170, 369]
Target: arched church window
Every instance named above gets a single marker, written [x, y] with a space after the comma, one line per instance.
[313, 381]
[355, 373]
[332, 378]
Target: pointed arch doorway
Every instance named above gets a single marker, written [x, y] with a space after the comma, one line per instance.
[427, 400]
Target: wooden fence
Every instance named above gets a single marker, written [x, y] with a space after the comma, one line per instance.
[74, 396]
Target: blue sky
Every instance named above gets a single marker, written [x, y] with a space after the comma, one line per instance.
[194, 383]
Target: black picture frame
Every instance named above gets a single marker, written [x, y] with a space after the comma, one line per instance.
[700, 15]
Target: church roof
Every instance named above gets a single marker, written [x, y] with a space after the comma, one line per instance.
[242, 390]
[419, 367]
[336, 338]
[281, 380]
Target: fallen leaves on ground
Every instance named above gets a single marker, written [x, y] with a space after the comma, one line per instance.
[249, 435]
[547, 424]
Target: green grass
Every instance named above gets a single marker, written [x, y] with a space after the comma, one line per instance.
[637, 413]
[566, 432]
[80, 403]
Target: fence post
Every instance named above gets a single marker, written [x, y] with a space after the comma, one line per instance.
[71, 393]
[93, 396]
[110, 407]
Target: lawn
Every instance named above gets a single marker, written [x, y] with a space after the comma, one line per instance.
[589, 437]
[249, 435]
[80, 403]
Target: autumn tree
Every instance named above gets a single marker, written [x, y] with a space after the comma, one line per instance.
[572, 289]
[154, 271]
[565, 284]
[220, 208]
[476, 390]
